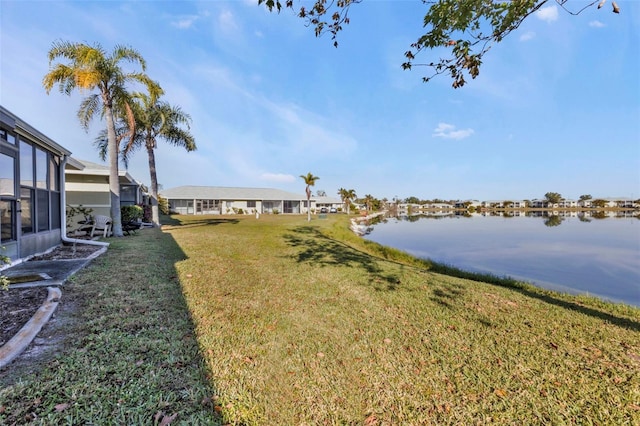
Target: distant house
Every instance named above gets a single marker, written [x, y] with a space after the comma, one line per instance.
[230, 200]
[625, 203]
[437, 206]
[464, 204]
[87, 184]
[328, 203]
[540, 204]
[31, 184]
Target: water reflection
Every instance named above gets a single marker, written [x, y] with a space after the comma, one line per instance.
[572, 251]
[550, 218]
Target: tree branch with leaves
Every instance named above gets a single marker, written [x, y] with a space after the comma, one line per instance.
[467, 29]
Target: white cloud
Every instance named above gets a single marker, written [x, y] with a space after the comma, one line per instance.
[227, 22]
[548, 14]
[448, 131]
[596, 24]
[527, 36]
[278, 177]
[185, 22]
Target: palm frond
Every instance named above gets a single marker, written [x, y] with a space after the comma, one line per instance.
[88, 108]
[121, 52]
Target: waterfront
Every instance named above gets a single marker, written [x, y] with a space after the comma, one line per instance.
[565, 252]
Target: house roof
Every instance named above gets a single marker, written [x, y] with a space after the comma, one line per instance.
[327, 200]
[84, 167]
[228, 193]
[25, 128]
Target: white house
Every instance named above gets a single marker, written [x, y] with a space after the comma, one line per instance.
[87, 184]
[328, 202]
[230, 200]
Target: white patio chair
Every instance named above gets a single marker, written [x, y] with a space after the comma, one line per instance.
[101, 223]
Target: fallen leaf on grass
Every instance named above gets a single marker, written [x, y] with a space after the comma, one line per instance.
[61, 407]
[320, 355]
[387, 341]
[371, 420]
[166, 420]
[500, 392]
[162, 419]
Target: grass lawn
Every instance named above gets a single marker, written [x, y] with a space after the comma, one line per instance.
[305, 323]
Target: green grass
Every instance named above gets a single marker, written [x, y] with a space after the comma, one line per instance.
[130, 354]
[305, 323]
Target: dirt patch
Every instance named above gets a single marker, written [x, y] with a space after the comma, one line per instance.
[17, 306]
[71, 251]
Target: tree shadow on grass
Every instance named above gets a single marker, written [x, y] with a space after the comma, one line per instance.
[321, 250]
[174, 222]
[447, 294]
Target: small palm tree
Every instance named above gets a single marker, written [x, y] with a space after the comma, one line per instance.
[368, 200]
[154, 119]
[347, 196]
[309, 180]
[90, 68]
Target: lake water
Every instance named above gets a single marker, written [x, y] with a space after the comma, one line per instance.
[569, 254]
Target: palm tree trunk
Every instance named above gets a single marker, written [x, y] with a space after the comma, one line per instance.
[114, 179]
[155, 216]
[308, 191]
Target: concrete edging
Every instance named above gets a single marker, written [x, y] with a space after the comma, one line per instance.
[18, 343]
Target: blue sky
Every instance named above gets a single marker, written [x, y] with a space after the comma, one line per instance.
[556, 106]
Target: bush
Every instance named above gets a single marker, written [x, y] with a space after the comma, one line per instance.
[163, 205]
[4, 281]
[131, 213]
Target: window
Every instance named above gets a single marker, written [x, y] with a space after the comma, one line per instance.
[7, 175]
[291, 206]
[7, 136]
[41, 169]
[43, 210]
[128, 195]
[26, 164]
[251, 204]
[7, 221]
[54, 175]
[39, 189]
[55, 210]
[26, 210]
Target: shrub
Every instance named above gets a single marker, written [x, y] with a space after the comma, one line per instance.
[131, 213]
[4, 281]
[163, 205]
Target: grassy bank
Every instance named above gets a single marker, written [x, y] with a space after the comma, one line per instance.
[305, 323]
[308, 324]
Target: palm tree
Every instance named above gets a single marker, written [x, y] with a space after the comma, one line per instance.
[368, 200]
[89, 68]
[347, 196]
[309, 180]
[154, 119]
